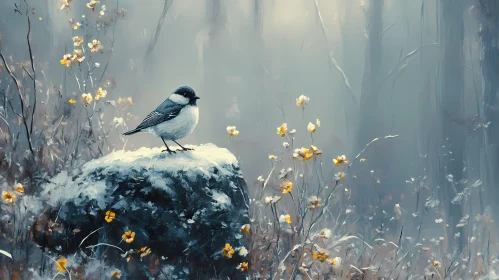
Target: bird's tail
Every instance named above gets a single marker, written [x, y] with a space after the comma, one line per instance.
[130, 132]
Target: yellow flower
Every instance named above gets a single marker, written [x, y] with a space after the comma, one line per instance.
[281, 130]
[242, 267]
[318, 123]
[77, 41]
[232, 130]
[286, 187]
[116, 274]
[362, 159]
[110, 216]
[302, 100]
[78, 56]
[272, 157]
[144, 251]
[123, 101]
[95, 46]
[340, 160]
[228, 251]
[128, 236]
[91, 5]
[61, 264]
[19, 188]
[101, 93]
[313, 202]
[316, 150]
[67, 60]
[285, 218]
[9, 197]
[302, 153]
[86, 98]
[72, 101]
[320, 255]
[311, 127]
[65, 4]
[76, 25]
[436, 263]
[245, 228]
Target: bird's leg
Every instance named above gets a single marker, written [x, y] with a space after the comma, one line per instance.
[167, 148]
[183, 148]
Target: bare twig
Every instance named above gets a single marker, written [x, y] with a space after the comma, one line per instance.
[166, 6]
[32, 68]
[23, 116]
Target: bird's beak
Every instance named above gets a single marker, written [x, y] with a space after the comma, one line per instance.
[197, 97]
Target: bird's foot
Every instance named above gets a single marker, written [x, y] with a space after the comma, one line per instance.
[169, 151]
[187, 149]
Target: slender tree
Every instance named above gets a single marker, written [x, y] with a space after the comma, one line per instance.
[370, 121]
[451, 108]
[487, 12]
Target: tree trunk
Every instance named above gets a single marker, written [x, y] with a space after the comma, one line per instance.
[370, 122]
[451, 103]
[488, 13]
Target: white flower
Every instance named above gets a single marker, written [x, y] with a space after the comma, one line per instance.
[336, 262]
[439, 221]
[311, 127]
[103, 9]
[260, 179]
[292, 132]
[86, 98]
[302, 100]
[243, 252]
[272, 199]
[285, 145]
[118, 121]
[325, 233]
[97, 64]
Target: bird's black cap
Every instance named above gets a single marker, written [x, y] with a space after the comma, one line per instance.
[187, 92]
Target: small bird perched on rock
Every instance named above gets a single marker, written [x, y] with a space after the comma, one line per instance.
[174, 119]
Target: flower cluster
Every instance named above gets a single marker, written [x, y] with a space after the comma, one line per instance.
[286, 187]
[340, 160]
[314, 202]
[232, 130]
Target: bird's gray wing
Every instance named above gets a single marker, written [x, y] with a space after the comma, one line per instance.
[161, 114]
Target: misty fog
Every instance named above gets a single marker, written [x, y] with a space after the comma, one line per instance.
[248, 61]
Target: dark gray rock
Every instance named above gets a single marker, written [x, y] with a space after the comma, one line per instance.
[184, 206]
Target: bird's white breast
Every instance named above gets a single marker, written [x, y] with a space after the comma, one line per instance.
[180, 126]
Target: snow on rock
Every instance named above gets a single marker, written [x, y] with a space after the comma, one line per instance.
[184, 206]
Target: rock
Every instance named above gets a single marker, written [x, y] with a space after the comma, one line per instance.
[185, 207]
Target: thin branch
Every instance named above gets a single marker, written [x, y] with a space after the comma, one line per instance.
[17, 82]
[32, 67]
[166, 6]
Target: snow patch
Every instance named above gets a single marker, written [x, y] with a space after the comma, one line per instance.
[221, 199]
[199, 161]
[150, 163]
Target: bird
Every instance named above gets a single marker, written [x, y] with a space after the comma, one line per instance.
[174, 119]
